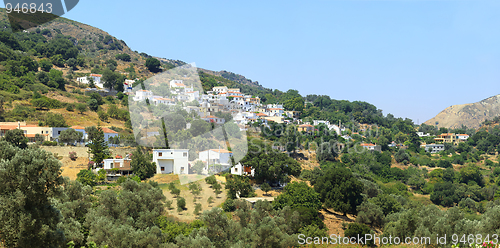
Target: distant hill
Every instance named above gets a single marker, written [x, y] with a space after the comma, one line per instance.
[471, 114]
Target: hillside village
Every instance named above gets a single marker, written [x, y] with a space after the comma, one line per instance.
[89, 162]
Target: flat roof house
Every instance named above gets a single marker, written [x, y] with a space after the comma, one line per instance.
[171, 161]
[434, 148]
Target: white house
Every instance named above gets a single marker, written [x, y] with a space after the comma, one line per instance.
[371, 147]
[462, 137]
[434, 148]
[177, 84]
[216, 156]
[141, 95]
[219, 89]
[95, 77]
[213, 119]
[242, 170]
[161, 100]
[421, 134]
[171, 161]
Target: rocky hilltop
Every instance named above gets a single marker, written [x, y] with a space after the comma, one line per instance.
[471, 115]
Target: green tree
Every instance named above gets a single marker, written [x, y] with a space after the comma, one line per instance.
[197, 209]
[92, 104]
[265, 187]
[55, 120]
[141, 165]
[211, 180]
[298, 195]
[471, 174]
[99, 147]
[103, 116]
[29, 178]
[175, 191]
[39, 138]
[16, 138]
[356, 230]
[198, 167]
[181, 204]
[340, 190]
[370, 213]
[123, 56]
[72, 63]
[217, 189]
[45, 65]
[110, 79]
[195, 189]
[238, 186]
[153, 65]
[70, 136]
[132, 211]
[86, 177]
[81, 108]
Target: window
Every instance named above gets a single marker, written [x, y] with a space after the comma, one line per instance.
[182, 169]
[159, 154]
[185, 154]
[162, 168]
[112, 166]
[235, 169]
[42, 132]
[58, 132]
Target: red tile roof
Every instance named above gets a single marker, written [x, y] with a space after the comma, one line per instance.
[107, 130]
[221, 150]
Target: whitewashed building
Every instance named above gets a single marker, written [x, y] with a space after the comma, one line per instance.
[171, 161]
[216, 156]
[95, 77]
[141, 95]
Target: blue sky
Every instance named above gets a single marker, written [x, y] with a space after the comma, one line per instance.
[408, 58]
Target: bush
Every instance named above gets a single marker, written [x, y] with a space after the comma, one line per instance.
[121, 180]
[49, 143]
[197, 209]
[181, 204]
[168, 204]
[211, 180]
[356, 230]
[228, 205]
[72, 156]
[176, 192]
[70, 107]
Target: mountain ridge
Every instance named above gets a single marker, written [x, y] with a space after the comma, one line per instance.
[469, 114]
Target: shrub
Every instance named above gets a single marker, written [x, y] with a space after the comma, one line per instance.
[265, 187]
[356, 230]
[70, 107]
[176, 192]
[211, 180]
[181, 204]
[168, 204]
[72, 156]
[49, 143]
[197, 209]
[228, 205]
[121, 180]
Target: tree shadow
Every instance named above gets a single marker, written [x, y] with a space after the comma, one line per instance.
[338, 216]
